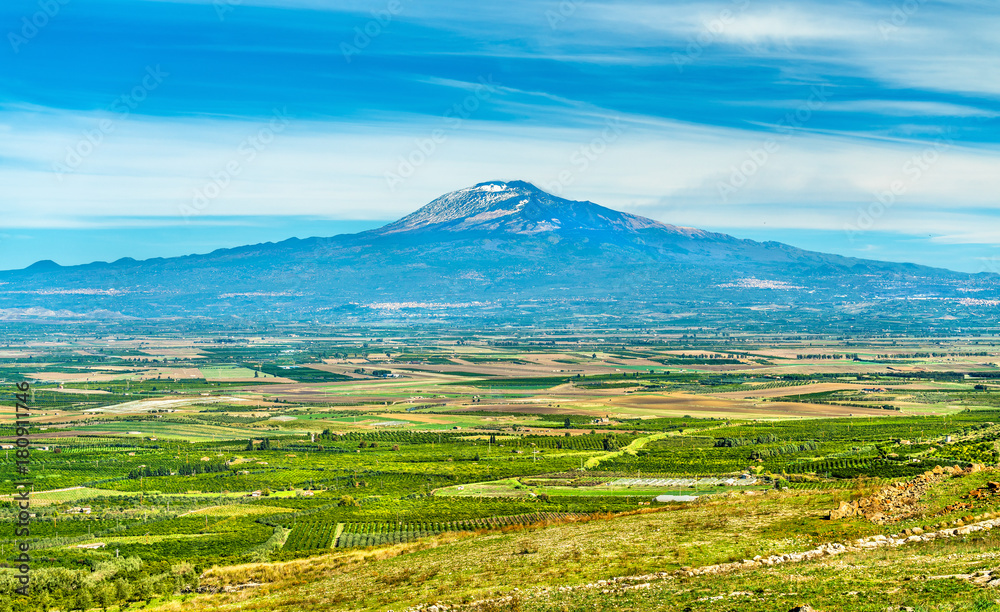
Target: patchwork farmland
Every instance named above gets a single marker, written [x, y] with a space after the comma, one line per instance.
[183, 469]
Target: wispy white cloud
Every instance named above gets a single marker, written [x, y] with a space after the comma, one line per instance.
[668, 170]
[744, 22]
[909, 108]
[987, 235]
[935, 47]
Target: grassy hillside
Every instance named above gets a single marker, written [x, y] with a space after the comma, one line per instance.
[560, 566]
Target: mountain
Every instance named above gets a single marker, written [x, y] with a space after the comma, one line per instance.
[508, 252]
[517, 207]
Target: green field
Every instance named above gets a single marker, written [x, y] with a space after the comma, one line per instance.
[349, 490]
[223, 372]
[176, 431]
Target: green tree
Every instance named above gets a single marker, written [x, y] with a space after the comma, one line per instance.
[123, 592]
[105, 596]
[45, 601]
[144, 590]
[83, 599]
[164, 586]
[185, 577]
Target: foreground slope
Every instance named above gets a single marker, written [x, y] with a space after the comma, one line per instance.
[698, 557]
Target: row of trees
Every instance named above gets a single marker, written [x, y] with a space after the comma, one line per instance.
[185, 469]
[735, 442]
[265, 444]
[119, 582]
[787, 449]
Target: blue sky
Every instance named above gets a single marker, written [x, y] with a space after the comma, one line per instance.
[150, 127]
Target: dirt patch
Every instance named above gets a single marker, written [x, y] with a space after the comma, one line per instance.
[81, 391]
[783, 391]
[520, 409]
[702, 405]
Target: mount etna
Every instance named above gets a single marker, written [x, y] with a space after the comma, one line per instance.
[503, 252]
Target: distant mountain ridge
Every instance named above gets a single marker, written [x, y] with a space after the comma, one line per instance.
[496, 250]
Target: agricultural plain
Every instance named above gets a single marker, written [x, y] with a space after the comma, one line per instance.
[385, 469]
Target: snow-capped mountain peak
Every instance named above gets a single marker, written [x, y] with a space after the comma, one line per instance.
[516, 207]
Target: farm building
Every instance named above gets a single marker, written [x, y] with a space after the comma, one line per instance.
[674, 498]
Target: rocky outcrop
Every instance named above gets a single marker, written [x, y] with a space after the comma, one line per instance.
[982, 494]
[898, 501]
[982, 577]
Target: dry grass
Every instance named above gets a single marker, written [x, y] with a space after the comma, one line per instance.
[468, 567]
